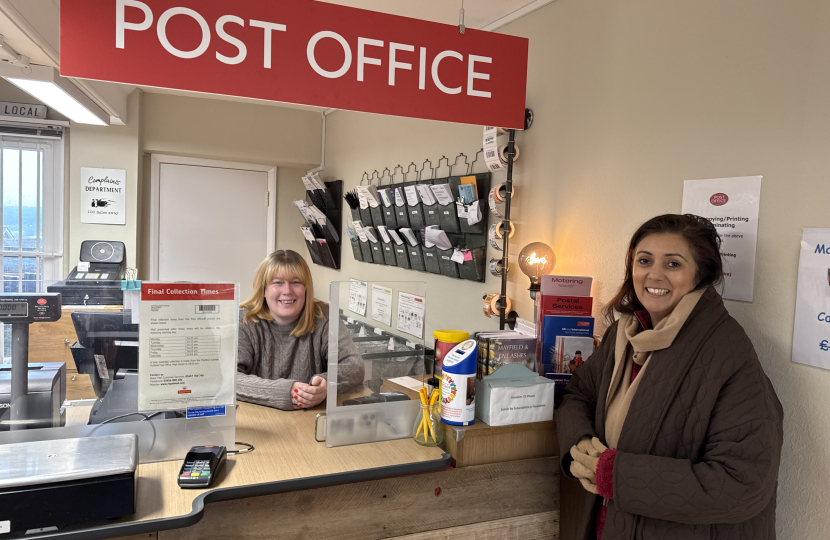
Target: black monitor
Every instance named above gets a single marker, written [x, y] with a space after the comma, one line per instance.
[107, 343]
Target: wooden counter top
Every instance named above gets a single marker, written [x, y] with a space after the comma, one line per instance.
[286, 458]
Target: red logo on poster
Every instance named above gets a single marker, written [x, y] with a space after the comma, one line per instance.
[307, 52]
[719, 199]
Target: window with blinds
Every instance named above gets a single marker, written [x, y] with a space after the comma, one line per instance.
[31, 206]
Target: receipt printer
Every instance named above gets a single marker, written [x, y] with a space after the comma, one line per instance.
[96, 281]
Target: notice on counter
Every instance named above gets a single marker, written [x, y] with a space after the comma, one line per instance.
[382, 304]
[731, 204]
[358, 294]
[103, 196]
[411, 311]
[811, 333]
[187, 345]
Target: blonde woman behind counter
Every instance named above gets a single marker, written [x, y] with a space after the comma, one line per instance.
[284, 339]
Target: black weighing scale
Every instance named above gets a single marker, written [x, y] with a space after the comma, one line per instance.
[20, 310]
[56, 482]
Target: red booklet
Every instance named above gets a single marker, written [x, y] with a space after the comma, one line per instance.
[578, 306]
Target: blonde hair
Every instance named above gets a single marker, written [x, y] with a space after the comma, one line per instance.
[285, 264]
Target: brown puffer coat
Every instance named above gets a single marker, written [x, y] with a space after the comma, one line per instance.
[699, 451]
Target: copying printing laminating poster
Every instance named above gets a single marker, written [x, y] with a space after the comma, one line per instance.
[103, 196]
[731, 204]
[811, 333]
[187, 345]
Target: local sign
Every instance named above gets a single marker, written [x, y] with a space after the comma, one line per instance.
[23, 110]
[300, 51]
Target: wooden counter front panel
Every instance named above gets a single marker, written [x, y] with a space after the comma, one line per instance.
[479, 498]
[49, 342]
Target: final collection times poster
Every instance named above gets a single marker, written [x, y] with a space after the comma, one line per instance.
[187, 345]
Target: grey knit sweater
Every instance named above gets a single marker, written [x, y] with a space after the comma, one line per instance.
[271, 360]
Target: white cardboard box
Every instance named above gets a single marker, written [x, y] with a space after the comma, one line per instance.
[514, 395]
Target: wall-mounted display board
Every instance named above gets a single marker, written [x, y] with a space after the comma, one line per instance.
[322, 222]
[430, 231]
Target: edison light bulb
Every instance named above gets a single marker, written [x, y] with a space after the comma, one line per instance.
[536, 260]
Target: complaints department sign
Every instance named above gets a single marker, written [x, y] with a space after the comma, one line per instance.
[300, 51]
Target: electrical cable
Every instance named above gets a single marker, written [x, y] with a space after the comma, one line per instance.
[250, 448]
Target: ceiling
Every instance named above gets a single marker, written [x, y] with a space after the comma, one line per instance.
[32, 28]
[477, 13]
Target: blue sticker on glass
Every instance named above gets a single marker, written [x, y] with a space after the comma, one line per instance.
[204, 412]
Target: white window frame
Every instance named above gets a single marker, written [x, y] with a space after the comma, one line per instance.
[53, 202]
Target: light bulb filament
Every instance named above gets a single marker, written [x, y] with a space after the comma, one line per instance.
[533, 259]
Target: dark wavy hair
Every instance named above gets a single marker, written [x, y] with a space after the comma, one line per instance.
[704, 243]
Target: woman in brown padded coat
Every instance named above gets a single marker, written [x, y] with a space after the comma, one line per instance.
[671, 425]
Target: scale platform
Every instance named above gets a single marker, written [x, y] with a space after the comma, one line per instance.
[62, 482]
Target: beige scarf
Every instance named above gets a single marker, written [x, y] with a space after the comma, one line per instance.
[643, 343]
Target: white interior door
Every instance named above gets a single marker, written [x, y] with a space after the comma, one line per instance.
[213, 223]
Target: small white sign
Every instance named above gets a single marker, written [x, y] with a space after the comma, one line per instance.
[382, 305]
[358, 293]
[521, 405]
[411, 311]
[103, 196]
[811, 334]
[731, 204]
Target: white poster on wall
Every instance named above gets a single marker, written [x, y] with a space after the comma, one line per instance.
[358, 294]
[382, 304]
[103, 196]
[811, 333]
[411, 311]
[731, 204]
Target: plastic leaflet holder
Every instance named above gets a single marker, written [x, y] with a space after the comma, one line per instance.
[389, 218]
[416, 257]
[367, 406]
[366, 250]
[402, 256]
[431, 215]
[405, 202]
[474, 266]
[446, 193]
[446, 265]
[389, 253]
[377, 252]
[415, 212]
[358, 254]
[482, 184]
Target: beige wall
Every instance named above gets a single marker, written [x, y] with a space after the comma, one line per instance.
[631, 99]
[113, 147]
[227, 130]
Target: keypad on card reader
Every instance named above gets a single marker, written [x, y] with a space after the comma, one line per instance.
[201, 465]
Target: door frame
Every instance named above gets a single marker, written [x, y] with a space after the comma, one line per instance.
[157, 160]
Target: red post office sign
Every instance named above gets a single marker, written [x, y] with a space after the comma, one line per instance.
[300, 51]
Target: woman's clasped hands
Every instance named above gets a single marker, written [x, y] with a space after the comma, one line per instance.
[305, 396]
[586, 455]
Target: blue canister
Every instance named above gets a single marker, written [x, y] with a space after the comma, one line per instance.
[458, 384]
